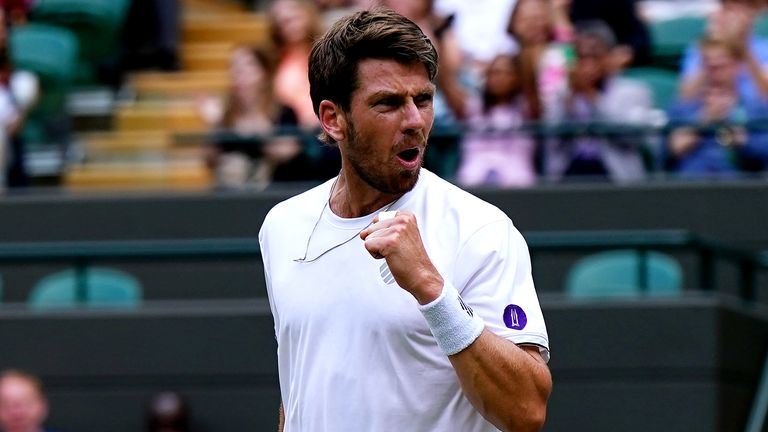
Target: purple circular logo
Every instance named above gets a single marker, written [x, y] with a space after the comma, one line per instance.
[514, 317]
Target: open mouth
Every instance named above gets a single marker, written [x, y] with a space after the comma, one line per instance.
[409, 155]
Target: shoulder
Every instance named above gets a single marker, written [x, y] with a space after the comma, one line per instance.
[623, 92]
[296, 210]
[626, 85]
[459, 207]
[25, 87]
[759, 45]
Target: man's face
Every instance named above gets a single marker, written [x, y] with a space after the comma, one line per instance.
[592, 59]
[531, 22]
[22, 408]
[388, 122]
[720, 67]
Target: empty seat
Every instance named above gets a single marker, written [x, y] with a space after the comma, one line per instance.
[96, 23]
[616, 273]
[102, 287]
[662, 82]
[670, 38]
[50, 53]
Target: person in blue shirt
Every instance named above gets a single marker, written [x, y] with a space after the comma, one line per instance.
[734, 22]
[712, 136]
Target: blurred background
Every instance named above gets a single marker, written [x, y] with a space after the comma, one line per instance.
[143, 141]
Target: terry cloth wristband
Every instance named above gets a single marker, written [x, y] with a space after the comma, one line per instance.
[453, 323]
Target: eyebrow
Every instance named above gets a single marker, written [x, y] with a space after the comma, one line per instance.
[383, 94]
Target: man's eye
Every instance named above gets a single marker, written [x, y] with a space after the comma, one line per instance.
[424, 100]
[387, 102]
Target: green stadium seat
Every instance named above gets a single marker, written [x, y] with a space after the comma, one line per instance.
[615, 274]
[662, 82]
[104, 287]
[670, 37]
[96, 23]
[51, 53]
[761, 25]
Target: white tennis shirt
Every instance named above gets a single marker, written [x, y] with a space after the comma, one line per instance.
[354, 352]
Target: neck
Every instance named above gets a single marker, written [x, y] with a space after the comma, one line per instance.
[352, 197]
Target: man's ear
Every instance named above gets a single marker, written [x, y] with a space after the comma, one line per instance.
[332, 120]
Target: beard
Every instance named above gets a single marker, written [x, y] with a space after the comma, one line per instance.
[379, 176]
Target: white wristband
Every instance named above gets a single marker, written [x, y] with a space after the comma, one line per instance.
[453, 323]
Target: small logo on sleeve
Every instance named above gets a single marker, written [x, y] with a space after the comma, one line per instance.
[514, 317]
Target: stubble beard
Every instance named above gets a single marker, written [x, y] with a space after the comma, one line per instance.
[376, 175]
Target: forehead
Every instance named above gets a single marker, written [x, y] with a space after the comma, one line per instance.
[590, 45]
[530, 7]
[15, 386]
[389, 76]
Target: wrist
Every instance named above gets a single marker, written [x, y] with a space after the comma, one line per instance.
[430, 293]
[453, 323]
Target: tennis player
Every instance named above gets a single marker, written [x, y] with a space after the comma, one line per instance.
[401, 302]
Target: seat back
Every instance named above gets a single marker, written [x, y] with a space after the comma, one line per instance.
[662, 82]
[104, 287]
[96, 24]
[50, 53]
[616, 273]
[760, 27]
[671, 37]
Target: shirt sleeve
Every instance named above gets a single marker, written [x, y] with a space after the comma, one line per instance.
[691, 61]
[264, 247]
[494, 278]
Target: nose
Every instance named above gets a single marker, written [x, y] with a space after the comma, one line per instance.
[413, 118]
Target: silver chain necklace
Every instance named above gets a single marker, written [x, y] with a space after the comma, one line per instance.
[317, 222]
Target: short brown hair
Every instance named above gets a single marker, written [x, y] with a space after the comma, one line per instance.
[379, 34]
[709, 42]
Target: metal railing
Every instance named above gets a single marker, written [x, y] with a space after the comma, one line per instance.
[749, 263]
[83, 254]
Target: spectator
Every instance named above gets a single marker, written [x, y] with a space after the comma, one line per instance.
[632, 36]
[543, 32]
[712, 139]
[733, 22]
[494, 151]
[295, 24]
[481, 31]
[168, 412]
[23, 406]
[151, 34]
[247, 152]
[598, 95]
[332, 10]
[16, 11]
[19, 92]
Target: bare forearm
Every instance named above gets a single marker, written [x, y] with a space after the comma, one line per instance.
[281, 421]
[507, 384]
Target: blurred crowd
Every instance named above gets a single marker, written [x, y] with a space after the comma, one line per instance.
[528, 91]
[24, 406]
